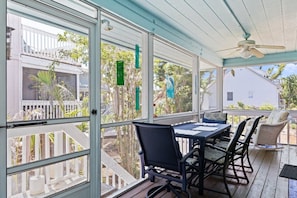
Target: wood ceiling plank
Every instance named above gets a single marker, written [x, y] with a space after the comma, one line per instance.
[209, 22]
[213, 18]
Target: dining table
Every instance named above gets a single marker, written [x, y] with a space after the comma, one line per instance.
[199, 133]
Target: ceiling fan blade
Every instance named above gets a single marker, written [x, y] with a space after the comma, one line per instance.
[228, 49]
[256, 53]
[270, 46]
[233, 52]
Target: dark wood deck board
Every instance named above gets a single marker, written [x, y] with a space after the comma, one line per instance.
[264, 181]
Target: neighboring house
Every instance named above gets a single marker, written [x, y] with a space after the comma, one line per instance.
[33, 50]
[248, 86]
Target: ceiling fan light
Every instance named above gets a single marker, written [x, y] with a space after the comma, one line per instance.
[245, 53]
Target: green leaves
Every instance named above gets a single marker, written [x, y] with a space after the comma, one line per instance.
[289, 90]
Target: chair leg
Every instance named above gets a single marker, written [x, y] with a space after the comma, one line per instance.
[178, 191]
[225, 182]
[243, 170]
[168, 187]
[249, 162]
[155, 190]
[234, 171]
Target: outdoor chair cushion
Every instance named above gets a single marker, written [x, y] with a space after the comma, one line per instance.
[215, 118]
[277, 116]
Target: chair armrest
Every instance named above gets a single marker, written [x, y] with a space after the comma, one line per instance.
[225, 138]
[142, 163]
[216, 147]
[266, 126]
[190, 154]
[268, 133]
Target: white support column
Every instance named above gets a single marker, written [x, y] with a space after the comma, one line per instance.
[24, 160]
[85, 169]
[95, 101]
[147, 76]
[106, 176]
[220, 88]
[3, 100]
[196, 86]
[36, 153]
[113, 179]
[77, 86]
[120, 183]
[67, 151]
[58, 150]
[150, 86]
[76, 161]
[9, 178]
[47, 155]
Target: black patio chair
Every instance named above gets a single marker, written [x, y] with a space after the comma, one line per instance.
[218, 160]
[242, 147]
[216, 118]
[161, 157]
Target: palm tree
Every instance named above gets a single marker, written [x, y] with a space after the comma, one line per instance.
[50, 89]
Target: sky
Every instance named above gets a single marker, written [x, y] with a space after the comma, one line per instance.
[290, 69]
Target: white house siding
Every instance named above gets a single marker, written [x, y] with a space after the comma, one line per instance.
[249, 88]
[14, 72]
[210, 101]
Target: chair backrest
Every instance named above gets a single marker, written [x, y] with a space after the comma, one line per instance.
[252, 130]
[277, 116]
[232, 144]
[215, 118]
[158, 145]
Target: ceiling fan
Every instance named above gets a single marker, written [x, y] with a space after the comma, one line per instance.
[248, 48]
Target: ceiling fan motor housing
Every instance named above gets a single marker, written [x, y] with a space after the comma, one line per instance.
[246, 43]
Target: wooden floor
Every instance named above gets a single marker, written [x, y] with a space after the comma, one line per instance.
[264, 181]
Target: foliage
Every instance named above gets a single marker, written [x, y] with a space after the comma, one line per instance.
[119, 101]
[289, 91]
[182, 100]
[206, 79]
[241, 105]
[49, 88]
[266, 107]
[80, 53]
[275, 71]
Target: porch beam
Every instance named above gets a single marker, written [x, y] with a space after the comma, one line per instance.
[266, 60]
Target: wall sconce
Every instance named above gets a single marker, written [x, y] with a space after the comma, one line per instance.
[107, 27]
[8, 41]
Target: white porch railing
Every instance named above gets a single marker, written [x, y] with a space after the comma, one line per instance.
[49, 141]
[41, 109]
[34, 143]
[46, 45]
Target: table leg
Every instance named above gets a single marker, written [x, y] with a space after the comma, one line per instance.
[201, 166]
[191, 144]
